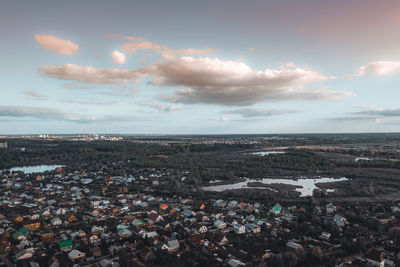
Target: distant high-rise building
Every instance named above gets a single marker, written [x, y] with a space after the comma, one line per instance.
[3, 145]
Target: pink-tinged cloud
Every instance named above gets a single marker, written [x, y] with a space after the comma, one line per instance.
[379, 68]
[163, 50]
[93, 75]
[57, 45]
[118, 57]
[233, 83]
[128, 38]
[165, 107]
[210, 81]
[188, 52]
[34, 94]
[133, 47]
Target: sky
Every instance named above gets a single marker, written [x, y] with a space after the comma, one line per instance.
[199, 67]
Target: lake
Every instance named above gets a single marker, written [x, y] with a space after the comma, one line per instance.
[36, 168]
[266, 153]
[307, 185]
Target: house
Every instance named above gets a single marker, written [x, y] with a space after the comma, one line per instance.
[61, 211]
[137, 223]
[325, 236]
[94, 239]
[230, 220]
[339, 220]
[65, 245]
[330, 208]
[220, 239]
[56, 221]
[125, 233]
[172, 245]
[276, 209]
[76, 255]
[294, 246]
[155, 217]
[219, 224]
[235, 263]
[200, 228]
[251, 227]
[232, 204]
[239, 229]
[31, 224]
[25, 254]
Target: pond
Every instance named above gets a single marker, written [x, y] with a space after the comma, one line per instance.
[36, 168]
[266, 153]
[306, 185]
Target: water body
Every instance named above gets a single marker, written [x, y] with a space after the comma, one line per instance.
[306, 185]
[266, 153]
[36, 168]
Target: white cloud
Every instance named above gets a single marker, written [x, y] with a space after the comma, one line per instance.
[57, 45]
[34, 94]
[210, 81]
[260, 112]
[233, 83]
[53, 114]
[118, 57]
[223, 119]
[76, 86]
[369, 114]
[128, 38]
[133, 47]
[379, 68]
[165, 108]
[93, 75]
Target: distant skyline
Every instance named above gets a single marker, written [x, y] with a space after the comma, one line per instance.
[199, 67]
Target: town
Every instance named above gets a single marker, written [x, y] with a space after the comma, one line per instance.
[65, 216]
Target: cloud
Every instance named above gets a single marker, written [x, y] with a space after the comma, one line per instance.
[118, 57]
[34, 94]
[89, 102]
[133, 47]
[223, 119]
[165, 108]
[74, 86]
[379, 68]
[369, 113]
[378, 112]
[210, 81]
[189, 51]
[260, 112]
[233, 83]
[93, 75]
[128, 38]
[57, 45]
[164, 50]
[53, 114]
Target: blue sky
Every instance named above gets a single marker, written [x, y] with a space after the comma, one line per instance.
[207, 67]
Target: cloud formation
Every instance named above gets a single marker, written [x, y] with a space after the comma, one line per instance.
[118, 57]
[210, 81]
[233, 83]
[165, 108]
[93, 75]
[128, 38]
[34, 94]
[53, 114]
[369, 113]
[163, 50]
[260, 112]
[57, 45]
[76, 86]
[379, 68]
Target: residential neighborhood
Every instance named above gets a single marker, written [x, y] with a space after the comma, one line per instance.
[93, 219]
